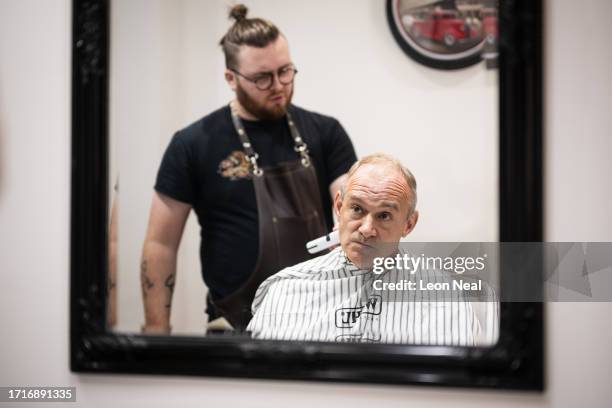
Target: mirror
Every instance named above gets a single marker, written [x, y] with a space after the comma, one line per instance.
[164, 70]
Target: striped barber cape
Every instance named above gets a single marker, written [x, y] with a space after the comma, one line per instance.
[330, 299]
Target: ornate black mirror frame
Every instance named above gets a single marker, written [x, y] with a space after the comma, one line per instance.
[516, 362]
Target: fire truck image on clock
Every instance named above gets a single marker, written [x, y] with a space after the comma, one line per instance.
[446, 34]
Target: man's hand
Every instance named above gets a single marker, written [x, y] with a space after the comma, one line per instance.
[337, 185]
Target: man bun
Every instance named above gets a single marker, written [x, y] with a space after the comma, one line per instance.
[238, 12]
[253, 32]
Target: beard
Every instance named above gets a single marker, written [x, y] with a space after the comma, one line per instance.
[259, 110]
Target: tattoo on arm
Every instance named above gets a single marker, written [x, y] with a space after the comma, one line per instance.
[145, 281]
[170, 285]
[170, 282]
[148, 284]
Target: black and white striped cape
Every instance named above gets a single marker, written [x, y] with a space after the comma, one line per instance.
[329, 299]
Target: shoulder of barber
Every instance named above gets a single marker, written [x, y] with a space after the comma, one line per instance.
[262, 78]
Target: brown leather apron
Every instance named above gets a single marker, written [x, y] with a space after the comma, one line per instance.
[290, 214]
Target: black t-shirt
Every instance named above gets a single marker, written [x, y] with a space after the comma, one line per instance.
[204, 165]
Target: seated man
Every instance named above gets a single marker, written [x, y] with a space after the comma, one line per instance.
[334, 297]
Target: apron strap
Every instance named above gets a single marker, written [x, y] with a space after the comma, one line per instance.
[300, 147]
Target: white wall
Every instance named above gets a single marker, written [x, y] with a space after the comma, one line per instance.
[167, 71]
[34, 233]
[578, 189]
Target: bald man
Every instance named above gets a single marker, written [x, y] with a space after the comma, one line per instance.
[334, 297]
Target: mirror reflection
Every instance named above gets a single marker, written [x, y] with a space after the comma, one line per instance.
[235, 142]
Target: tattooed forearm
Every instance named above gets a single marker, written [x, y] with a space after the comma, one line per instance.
[170, 282]
[145, 281]
[170, 285]
[157, 276]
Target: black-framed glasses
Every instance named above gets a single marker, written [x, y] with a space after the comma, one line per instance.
[263, 81]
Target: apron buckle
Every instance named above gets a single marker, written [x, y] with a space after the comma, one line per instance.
[253, 159]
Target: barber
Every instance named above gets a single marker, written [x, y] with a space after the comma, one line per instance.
[260, 174]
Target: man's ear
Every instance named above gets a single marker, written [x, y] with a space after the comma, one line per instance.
[337, 204]
[411, 223]
[230, 78]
